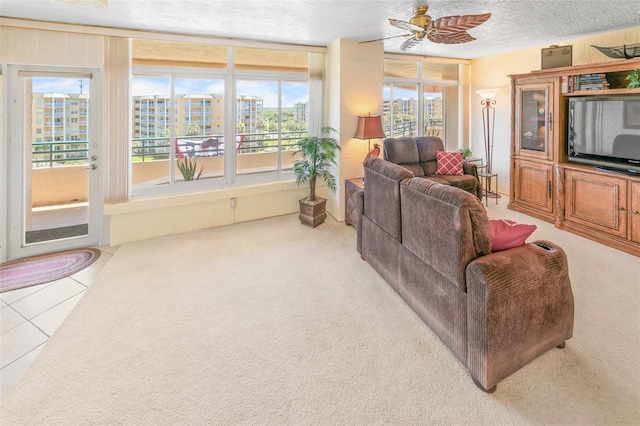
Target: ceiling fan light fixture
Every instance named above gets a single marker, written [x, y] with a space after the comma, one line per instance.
[420, 17]
[446, 30]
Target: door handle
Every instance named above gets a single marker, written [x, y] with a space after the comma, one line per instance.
[94, 166]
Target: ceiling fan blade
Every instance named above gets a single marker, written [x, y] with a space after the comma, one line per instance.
[408, 44]
[456, 24]
[453, 38]
[385, 38]
[405, 25]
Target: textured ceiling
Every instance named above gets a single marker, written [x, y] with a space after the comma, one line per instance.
[514, 24]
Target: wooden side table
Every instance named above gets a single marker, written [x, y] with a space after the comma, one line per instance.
[351, 189]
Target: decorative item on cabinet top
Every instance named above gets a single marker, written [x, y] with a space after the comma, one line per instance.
[634, 79]
[626, 51]
[557, 56]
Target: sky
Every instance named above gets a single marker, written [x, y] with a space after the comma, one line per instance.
[268, 90]
[60, 85]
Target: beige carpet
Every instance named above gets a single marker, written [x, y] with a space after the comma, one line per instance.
[270, 322]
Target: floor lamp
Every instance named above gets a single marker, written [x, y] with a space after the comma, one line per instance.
[488, 124]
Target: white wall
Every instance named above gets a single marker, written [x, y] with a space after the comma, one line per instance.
[355, 76]
[154, 217]
[40, 47]
[494, 71]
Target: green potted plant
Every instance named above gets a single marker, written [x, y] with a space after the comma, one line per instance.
[466, 152]
[634, 79]
[318, 154]
[188, 169]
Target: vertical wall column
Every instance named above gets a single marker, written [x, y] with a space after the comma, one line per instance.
[117, 101]
[355, 79]
[464, 136]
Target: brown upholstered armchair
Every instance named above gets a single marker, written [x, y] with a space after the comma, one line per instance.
[418, 155]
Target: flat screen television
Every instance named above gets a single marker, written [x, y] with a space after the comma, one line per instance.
[605, 131]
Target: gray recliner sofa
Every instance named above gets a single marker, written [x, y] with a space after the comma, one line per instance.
[431, 242]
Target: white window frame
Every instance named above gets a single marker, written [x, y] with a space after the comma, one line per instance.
[230, 76]
[419, 83]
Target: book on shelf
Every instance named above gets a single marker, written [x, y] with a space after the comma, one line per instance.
[575, 83]
[564, 84]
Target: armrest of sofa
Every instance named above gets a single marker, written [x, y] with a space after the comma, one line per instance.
[520, 305]
[472, 169]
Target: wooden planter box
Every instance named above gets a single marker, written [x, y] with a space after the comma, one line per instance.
[313, 213]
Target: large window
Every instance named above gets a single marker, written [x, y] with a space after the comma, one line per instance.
[268, 123]
[178, 130]
[198, 121]
[417, 96]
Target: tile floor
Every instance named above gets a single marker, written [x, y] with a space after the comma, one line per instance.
[29, 316]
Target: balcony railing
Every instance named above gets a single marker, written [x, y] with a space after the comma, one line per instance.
[154, 149]
[59, 153]
[73, 152]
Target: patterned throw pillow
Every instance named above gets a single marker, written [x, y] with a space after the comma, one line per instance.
[506, 234]
[449, 163]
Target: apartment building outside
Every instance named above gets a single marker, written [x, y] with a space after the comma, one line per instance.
[57, 118]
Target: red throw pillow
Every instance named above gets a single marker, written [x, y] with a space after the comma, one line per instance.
[506, 234]
[449, 163]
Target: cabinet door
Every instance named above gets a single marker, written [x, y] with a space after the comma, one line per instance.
[534, 120]
[634, 210]
[533, 185]
[597, 201]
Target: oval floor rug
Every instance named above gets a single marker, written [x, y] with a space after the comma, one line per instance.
[46, 268]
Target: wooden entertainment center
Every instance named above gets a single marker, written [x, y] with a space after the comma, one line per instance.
[601, 205]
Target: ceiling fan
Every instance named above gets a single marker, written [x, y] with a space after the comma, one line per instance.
[446, 30]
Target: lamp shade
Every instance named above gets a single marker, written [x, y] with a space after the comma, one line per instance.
[487, 93]
[369, 128]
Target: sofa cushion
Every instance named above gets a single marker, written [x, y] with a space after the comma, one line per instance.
[449, 163]
[506, 234]
[428, 146]
[403, 151]
[382, 194]
[467, 182]
[443, 226]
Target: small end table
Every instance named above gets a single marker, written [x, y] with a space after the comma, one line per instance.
[351, 189]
